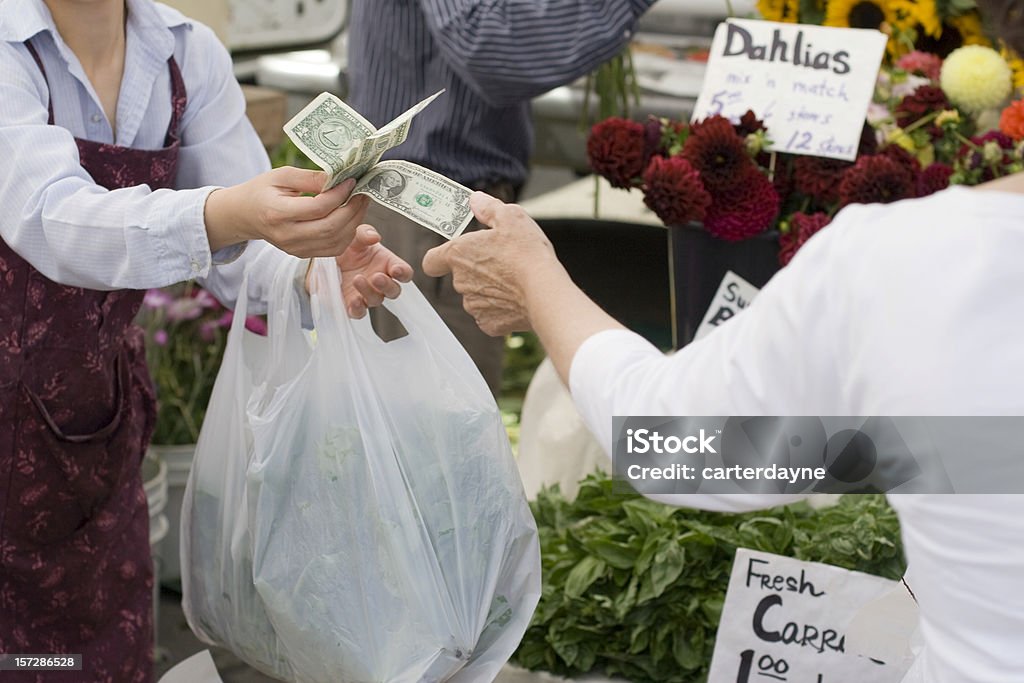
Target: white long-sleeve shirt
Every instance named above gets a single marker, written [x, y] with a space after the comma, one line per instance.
[78, 233]
[907, 309]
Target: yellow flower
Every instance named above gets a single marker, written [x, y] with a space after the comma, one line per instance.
[859, 13]
[922, 13]
[969, 27]
[947, 116]
[1016, 66]
[779, 10]
[976, 78]
[926, 155]
[897, 136]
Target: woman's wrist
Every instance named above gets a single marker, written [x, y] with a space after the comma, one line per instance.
[224, 224]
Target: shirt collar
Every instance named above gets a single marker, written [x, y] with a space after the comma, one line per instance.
[20, 20]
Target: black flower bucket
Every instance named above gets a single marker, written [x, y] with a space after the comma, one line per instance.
[623, 267]
[697, 264]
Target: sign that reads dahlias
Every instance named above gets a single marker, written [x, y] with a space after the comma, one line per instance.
[811, 85]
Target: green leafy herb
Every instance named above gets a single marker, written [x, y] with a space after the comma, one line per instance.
[634, 589]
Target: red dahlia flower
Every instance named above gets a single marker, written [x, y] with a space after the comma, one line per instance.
[934, 178]
[819, 178]
[747, 207]
[749, 123]
[876, 179]
[615, 150]
[673, 190]
[902, 157]
[801, 227]
[923, 101]
[718, 153]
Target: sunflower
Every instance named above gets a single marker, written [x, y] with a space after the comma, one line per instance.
[780, 10]
[1016, 66]
[957, 31]
[876, 14]
[922, 14]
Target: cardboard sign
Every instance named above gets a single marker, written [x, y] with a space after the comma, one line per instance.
[811, 85]
[785, 620]
[733, 295]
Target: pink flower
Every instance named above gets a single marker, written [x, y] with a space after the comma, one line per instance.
[156, 298]
[921, 64]
[160, 337]
[207, 330]
[185, 308]
[205, 299]
[225, 319]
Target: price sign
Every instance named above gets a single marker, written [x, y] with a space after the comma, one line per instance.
[811, 85]
[785, 620]
[733, 295]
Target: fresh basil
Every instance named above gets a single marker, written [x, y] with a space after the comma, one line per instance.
[634, 589]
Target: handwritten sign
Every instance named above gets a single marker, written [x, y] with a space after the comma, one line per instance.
[785, 620]
[733, 295]
[811, 85]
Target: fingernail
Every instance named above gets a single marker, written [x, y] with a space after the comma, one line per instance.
[348, 184]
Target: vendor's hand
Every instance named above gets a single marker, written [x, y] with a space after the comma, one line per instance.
[272, 207]
[370, 272]
[490, 268]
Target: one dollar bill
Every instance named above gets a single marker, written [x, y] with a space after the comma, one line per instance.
[345, 145]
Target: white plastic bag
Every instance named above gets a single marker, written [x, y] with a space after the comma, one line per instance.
[354, 511]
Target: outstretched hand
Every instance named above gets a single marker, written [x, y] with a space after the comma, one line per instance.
[370, 272]
[490, 268]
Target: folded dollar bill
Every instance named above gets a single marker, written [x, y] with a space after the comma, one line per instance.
[345, 145]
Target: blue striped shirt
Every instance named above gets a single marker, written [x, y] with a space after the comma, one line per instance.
[492, 56]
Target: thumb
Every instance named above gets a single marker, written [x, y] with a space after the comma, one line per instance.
[485, 207]
[300, 180]
[435, 261]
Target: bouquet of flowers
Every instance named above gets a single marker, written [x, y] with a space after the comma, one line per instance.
[933, 26]
[186, 329]
[926, 130]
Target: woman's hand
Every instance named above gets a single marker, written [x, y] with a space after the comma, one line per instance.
[272, 207]
[370, 272]
[495, 269]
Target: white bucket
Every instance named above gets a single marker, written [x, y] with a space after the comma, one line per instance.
[179, 463]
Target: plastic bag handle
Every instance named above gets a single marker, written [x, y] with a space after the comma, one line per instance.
[284, 319]
[241, 305]
[411, 307]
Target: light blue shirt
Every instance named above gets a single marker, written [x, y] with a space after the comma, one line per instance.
[78, 233]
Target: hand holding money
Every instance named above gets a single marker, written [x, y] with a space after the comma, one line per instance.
[345, 145]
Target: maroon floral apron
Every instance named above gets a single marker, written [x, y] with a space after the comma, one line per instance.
[76, 413]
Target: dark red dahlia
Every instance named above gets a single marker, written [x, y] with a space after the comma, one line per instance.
[934, 178]
[782, 178]
[673, 190]
[903, 158]
[923, 101]
[876, 179]
[788, 244]
[653, 139]
[749, 123]
[718, 153]
[819, 178]
[747, 207]
[615, 150]
[801, 227]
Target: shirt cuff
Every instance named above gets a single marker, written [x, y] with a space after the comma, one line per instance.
[178, 225]
[227, 255]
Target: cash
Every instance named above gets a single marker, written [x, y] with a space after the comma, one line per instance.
[345, 145]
